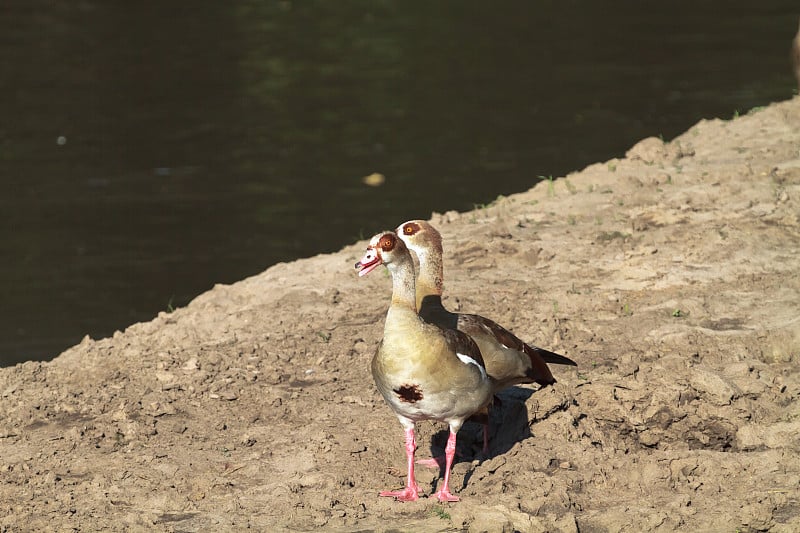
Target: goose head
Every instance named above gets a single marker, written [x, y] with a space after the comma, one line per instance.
[420, 237]
[383, 249]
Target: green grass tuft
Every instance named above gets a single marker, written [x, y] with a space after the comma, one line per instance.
[440, 512]
[551, 186]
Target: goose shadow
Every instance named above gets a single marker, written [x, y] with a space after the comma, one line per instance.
[508, 425]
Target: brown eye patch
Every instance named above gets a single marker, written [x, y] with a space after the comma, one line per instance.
[411, 228]
[387, 242]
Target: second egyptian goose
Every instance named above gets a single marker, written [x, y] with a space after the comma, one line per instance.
[509, 360]
[422, 371]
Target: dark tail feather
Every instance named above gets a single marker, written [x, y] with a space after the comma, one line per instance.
[550, 357]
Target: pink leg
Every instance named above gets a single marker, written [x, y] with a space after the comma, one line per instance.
[443, 494]
[495, 400]
[440, 460]
[411, 492]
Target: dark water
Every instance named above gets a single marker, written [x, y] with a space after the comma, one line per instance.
[149, 150]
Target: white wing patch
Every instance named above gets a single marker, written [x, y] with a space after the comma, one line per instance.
[470, 361]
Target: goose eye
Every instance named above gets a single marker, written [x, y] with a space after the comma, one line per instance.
[387, 242]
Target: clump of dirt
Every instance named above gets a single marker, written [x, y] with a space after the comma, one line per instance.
[670, 276]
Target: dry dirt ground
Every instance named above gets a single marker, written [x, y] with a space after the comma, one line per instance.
[671, 276]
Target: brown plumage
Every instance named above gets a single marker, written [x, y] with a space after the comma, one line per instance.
[422, 371]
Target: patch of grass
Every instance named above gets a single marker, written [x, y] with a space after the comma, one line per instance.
[170, 306]
[612, 167]
[626, 309]
[439, 511]
[608, 236]
[735, 113]
[324, 335]
[490, 204]
[571, 220]
[570, 187]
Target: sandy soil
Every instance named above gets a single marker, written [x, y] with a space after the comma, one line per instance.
[672, 276]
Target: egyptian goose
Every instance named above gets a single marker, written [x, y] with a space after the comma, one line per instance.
[422, 371]
[509, 361]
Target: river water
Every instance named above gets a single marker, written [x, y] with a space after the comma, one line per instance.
[150, 150]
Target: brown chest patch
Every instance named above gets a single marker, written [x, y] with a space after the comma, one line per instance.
[409, 393]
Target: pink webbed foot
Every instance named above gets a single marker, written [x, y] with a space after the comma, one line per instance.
[411, 492]
[408, 494]
[444, 495]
